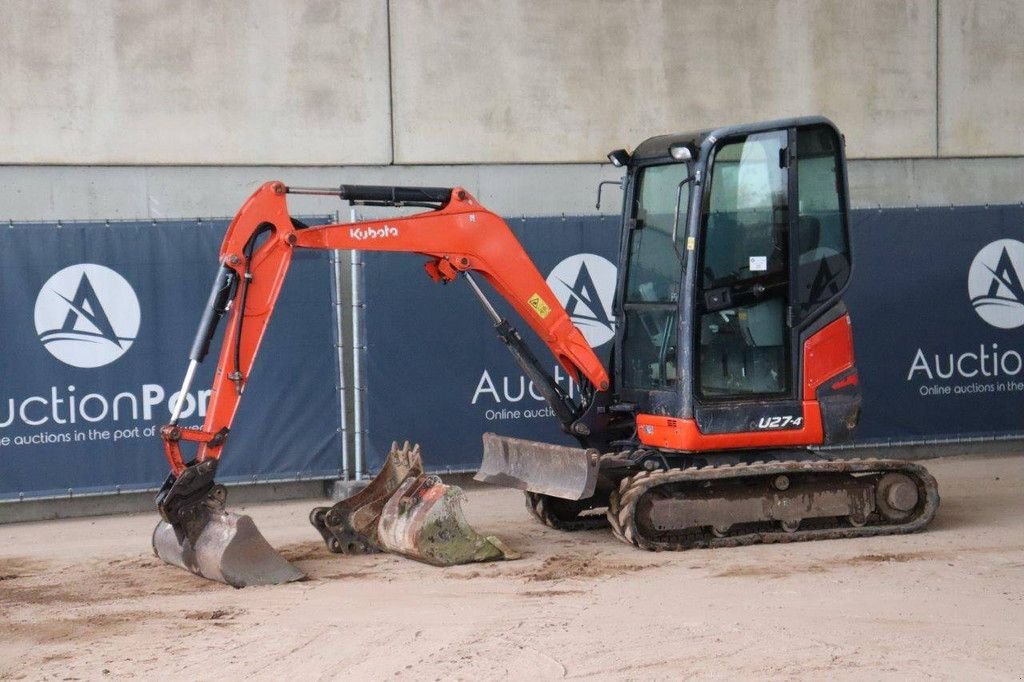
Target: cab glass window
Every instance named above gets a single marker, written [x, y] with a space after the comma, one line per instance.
[742, 334]
[747, 223]
[654, 269]
[824, 250]
[652, 278]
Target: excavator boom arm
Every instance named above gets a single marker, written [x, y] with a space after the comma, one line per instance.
[458, 236]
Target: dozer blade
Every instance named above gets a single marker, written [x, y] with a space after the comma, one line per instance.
[556, 470]
[423, 520]
[228, 549]
[350, 526]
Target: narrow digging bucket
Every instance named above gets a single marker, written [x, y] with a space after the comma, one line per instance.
[423, 520]
[557, 470]
[229, 549]
[350, 526]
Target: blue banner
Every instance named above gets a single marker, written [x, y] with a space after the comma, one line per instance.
[98, 321]
[938, 321]
[436, 372]
[935, 297]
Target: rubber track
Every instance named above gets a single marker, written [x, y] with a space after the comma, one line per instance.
[622, 507]
[536, 504]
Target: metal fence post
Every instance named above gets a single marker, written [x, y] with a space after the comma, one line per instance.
[339, 327]
[358, 355]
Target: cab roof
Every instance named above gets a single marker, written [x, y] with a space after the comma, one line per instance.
[658, 147]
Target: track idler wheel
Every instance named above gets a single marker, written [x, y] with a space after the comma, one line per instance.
[565, 515]
[789, 526]
[897, 496]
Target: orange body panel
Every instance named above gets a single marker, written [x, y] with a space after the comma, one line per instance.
[672, 433]
[466, 236]
[828, 353]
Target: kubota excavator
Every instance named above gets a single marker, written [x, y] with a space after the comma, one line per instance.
[733, 361]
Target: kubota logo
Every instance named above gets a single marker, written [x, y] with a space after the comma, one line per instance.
[994, 284]
[585, 286]
[87, 315]
[373, 232]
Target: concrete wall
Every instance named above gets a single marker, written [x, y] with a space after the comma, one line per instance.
[981, 78]
[102, 192]
[566, 81]
[168, 108]
[64, 192]
[193, 81]
[300, 82]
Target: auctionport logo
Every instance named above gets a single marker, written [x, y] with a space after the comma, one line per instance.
[87, 315]
[585, 285]
[994, 284]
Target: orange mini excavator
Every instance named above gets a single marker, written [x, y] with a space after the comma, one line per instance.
[733, 360]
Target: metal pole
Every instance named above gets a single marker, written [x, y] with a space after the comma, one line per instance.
[339, 328]
[495, 317]
[358, 349]
[190, 374]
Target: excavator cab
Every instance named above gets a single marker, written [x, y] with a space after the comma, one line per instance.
[735, 253]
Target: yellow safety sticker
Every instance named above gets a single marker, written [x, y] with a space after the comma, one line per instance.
[691, 243]
[538, 304]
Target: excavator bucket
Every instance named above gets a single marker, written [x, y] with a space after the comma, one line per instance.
[423, 520]
[350, 526]
[404, 511]
[229, 549]
[565, 472]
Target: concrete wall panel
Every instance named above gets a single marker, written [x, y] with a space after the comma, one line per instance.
[484, 81]
[126, 192]
[513, 191]
[896, 183]
[191, 81]
[981, 78]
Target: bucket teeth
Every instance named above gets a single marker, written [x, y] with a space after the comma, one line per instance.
[407, 512]
[350, 526]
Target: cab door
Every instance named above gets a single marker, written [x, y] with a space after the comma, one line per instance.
[744, 360]
[648, 359]
[773, 262]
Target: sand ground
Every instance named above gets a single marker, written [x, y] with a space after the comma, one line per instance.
[85, 599]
